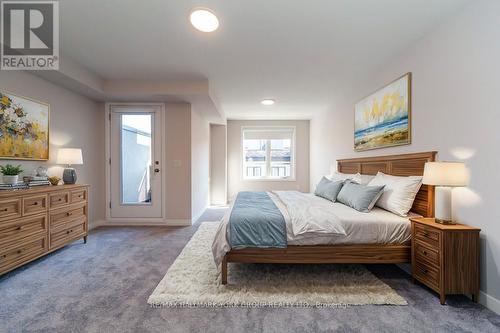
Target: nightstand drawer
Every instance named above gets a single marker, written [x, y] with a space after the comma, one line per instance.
[425, 253]
[427, 274]
[427, 235]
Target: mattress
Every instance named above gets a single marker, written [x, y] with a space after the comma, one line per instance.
[376, 227]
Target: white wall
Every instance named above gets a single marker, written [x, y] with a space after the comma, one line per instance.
[200, 165]
[218, 164]
[76, 122]
[456, 79]
[234, 158]
[178, 162]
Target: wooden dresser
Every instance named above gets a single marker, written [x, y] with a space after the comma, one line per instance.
[445, 257]
[37, 221]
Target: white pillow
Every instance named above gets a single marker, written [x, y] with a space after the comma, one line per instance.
[355, 177]
[399, 192]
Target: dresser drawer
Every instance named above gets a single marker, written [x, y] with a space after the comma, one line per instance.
[78, 196]
[63, 216]
[10, 209]
[426, 253]
[12, 257]
[74, 230]
[18, 229]
[427, 274]
[59, 199]
[427, 235]
[34, 205]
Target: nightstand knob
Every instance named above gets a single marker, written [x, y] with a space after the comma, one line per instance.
[425, 253]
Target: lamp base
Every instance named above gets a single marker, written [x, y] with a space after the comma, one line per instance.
[69, 176]
[441, 221]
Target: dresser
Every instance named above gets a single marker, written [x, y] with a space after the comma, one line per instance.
[445, 257]
[37, 221]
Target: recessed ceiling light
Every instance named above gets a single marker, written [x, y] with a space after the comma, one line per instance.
[267, 101]
[204, 20]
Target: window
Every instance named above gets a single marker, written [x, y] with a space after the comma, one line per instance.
[268, 152]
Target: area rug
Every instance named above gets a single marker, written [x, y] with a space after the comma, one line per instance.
[193, 280]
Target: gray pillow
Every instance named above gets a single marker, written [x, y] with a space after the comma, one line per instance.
[360, 197]
[328, 189]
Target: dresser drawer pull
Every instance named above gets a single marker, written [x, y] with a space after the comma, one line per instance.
[19, 251]
[5, 210]
[69, 213]
[60, 199]
[424, 252]
[69, 231]
[35, 203]
[19, 228]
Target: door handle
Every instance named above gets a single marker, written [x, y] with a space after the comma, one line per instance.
[157, 170]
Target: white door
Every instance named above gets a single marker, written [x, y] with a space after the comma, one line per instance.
[136, 174]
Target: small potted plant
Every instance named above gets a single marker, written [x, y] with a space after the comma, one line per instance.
[10, 173]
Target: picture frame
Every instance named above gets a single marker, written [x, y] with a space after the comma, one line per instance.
[24, 128]
[383, 118]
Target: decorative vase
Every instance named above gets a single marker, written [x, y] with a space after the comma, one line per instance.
[10, 180]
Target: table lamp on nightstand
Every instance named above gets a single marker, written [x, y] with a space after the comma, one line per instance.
[69, 156]
[445, 176]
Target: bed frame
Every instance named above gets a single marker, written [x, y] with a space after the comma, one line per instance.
[398, 165]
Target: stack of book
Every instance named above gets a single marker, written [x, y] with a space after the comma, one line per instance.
[36, 181]
[17, 186]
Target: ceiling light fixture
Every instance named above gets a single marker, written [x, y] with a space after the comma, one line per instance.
[204, 20]
[267, 101]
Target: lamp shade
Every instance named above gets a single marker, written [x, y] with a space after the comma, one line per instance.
[69, 156]
[445, 174]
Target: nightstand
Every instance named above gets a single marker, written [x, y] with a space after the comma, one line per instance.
[445, 257]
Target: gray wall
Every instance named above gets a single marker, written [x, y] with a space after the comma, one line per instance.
[75, 122]
[456, 81]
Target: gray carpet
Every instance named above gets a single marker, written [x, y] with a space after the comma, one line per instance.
[103, 286]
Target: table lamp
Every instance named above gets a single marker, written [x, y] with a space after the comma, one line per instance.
[445, 176]
[69, 156]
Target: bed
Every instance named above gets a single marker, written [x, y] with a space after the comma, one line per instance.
[393, 249]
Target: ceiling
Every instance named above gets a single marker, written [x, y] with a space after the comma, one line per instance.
[301, 53]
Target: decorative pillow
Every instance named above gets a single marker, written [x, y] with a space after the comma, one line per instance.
[360, 197]
[328, 189]
[337, 176]
[399, 192]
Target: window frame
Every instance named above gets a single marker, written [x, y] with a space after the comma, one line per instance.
[293, 158]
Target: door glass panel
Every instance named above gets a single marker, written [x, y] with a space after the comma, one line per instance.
[136, 155]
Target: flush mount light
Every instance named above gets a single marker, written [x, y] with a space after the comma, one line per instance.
[267, 101]
[204, 20]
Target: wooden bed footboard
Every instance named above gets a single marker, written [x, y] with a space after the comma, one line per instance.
[319, 254]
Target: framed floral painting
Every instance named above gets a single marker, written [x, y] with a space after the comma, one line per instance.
[383, 119]
[24, 128]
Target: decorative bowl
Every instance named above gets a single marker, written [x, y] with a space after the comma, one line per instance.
[54, 180]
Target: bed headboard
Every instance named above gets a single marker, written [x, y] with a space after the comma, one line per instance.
[397, 165]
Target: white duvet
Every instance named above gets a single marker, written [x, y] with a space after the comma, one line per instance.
[311, 220]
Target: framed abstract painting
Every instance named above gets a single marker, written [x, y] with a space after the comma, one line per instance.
[383, 119]
[24, 128]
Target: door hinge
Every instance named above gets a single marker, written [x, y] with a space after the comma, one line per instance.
[110, 205]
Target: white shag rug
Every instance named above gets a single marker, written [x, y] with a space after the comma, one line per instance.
[194, 281]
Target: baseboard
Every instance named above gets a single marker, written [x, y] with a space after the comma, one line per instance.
[141, 223]
[96, 224]
[490, 302]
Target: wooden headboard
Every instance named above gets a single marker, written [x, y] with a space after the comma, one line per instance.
[397, 165]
